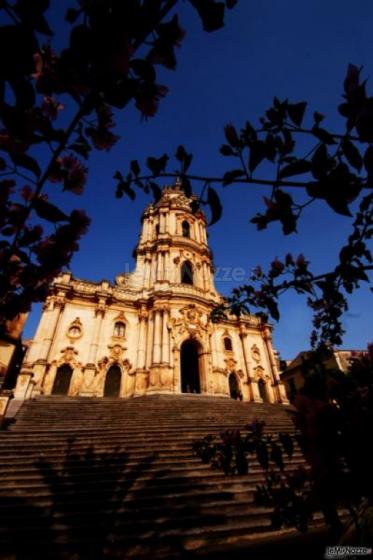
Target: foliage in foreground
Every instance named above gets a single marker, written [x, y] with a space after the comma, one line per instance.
[57, 107]
[336, 170]
[333, 418]
[109, 62]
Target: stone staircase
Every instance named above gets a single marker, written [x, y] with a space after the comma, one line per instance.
[92, 478]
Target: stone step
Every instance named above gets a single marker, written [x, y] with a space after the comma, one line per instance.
[142, 480]
[138, 494]
[189, 468]
[165, 526]
[140, 429]
[58, 456]
[120, 438]
[153, 428]
[182, 529]
[121, 475]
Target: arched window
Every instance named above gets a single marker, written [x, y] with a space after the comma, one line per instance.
[228, 344]
[185, 227]
[157, 229]
[119, 329]
[187, 273]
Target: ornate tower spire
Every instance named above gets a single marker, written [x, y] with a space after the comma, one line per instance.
[172, 249]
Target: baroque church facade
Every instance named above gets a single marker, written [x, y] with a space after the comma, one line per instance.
[151, 331]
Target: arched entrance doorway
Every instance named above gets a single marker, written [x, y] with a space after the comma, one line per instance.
[263, 390]
[234, 387]
[189, 363]
[112, 382]
[62, 380]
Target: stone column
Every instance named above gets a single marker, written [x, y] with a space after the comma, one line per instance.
[53, 321]
[245, 354]
[149, 342]
[251, 381]
[206, 282]
[141, 340]
[202, 277]
[197, 232]
[149, 229]
[214, 351]
[159, 266]
[163, 267]
[147, 271]
[278, 385]
[153, 270]
[99, 315]
[157, 337]
[150, 233]
[172, 229]
[85, 389]
[208, 274]
[165, 339]
[167, 271]
[161, 222]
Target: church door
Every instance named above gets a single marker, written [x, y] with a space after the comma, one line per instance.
[190, 382]
[234, 388]
[62, 380]
[112, 382]
[262, 390]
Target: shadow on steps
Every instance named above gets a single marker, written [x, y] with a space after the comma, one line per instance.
[86, 521]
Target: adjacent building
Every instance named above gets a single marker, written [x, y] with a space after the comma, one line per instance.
[292, 373]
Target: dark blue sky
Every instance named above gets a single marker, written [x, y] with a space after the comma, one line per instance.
[286, 48]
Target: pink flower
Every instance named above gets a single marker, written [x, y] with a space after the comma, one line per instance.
[79, 222]
[50, 107]
[27, 193]
[102, 138]
[74, 174]
[148, 97]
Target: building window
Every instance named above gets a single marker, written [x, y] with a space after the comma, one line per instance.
[187, 273]
[74, 332]
[119, 329]
[185, 227]
[157, 229]
[228, 344]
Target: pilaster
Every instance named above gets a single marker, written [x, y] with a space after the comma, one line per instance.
[278, 387]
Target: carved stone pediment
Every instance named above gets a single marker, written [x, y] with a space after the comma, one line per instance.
[120, 317]
[115, 357]
[190, 321]
[116, 351]
[231, 364]
[69, 356]
[259, 373]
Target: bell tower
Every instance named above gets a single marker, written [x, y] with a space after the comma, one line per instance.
[172, 250]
